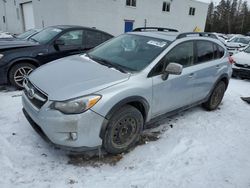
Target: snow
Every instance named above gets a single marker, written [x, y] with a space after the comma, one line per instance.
[5, 35]
[202, 149]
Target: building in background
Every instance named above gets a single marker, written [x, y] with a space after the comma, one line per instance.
[113, 16]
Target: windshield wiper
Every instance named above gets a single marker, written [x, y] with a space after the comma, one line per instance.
[107, 63]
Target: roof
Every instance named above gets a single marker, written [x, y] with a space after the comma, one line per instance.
[64, 27]
[170, 36]
[68, 26]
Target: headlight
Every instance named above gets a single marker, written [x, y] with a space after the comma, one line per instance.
[76, 106]
[1, 56]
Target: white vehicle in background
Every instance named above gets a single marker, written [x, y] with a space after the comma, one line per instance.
[221, 37]
[241, 67]
[237, 44]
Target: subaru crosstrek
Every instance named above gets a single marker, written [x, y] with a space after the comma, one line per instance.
[106, 97]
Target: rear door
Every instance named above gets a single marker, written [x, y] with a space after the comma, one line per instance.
[207, 67]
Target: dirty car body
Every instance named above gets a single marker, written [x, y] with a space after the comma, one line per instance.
[134, 77]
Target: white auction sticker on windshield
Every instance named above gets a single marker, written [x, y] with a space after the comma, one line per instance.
[157, 43]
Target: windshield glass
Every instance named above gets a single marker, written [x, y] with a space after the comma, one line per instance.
[26, 34]
[247, 50]
[132, 52]
[46, 35]
[244, 40]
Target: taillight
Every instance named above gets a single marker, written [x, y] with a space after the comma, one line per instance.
[231, 60]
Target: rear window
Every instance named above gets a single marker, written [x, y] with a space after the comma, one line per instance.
[221, 52]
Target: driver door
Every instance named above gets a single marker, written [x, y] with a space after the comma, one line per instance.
[70, 43]
[177, 90]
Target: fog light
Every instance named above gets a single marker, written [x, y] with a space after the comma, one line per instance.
[73, 136]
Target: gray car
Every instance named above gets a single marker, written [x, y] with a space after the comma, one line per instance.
[105, 98]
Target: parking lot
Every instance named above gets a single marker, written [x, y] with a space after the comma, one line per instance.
[197, 149]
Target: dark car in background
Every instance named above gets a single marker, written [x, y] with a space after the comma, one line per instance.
[19, 58]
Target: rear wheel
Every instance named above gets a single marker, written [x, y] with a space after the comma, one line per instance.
[216, 97]
[18, 72]
[123, 130]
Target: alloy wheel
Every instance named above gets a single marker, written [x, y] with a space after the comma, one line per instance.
[20, 74]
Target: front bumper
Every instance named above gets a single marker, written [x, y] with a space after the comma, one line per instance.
[241, 72]
[55, 127]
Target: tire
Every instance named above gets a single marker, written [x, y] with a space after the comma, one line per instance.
[123, 131]
[215, 97]
[17, 73]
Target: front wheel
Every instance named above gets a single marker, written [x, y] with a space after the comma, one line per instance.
[123, 131]
[216, 97]
[18, 72]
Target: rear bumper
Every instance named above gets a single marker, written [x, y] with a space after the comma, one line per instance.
[241, 72]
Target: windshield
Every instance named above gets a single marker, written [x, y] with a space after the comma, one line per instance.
[247, 50]
[132, 52]
[243, 40]
[46, 35]
[26, 34]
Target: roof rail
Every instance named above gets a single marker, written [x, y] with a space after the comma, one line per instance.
[196, 34]
[155, 28]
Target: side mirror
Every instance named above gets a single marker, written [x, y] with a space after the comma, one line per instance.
[59, 42]
[172, 68]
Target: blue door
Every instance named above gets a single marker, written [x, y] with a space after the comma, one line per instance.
[128, 25]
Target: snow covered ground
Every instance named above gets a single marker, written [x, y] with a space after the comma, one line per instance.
[201, 150]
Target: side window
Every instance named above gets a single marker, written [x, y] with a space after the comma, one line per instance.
[94, 38]
[218, 51]
[191, 11]
[221, 52]
[166, 6]
[105, 37]
[182, 54]
[205, 51]
[72, 38]
[131, 3]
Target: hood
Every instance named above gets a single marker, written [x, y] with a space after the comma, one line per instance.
[75, 76]
[242, 58]
[15, 43]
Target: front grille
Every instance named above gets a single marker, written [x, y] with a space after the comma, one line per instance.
[35, 96]
[242, 66]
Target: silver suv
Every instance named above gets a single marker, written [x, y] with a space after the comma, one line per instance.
[105, 98]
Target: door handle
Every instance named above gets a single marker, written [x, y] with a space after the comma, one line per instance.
[191, 75]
